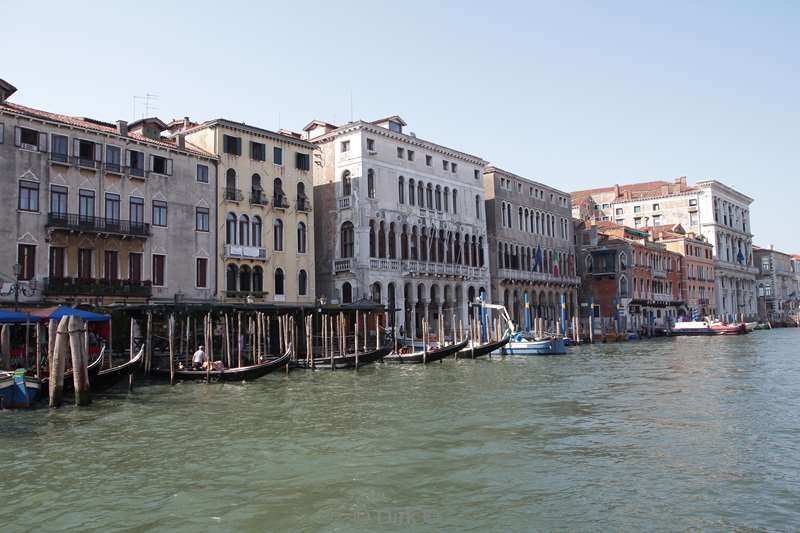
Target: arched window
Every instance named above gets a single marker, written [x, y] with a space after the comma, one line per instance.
[519, 218]
[420, 194]
[401, 190]
[623, 261]
[244, 230]
[411, 194]
[230, 228]
[392, 242]
[244, 278]
[258, 279]
[347, 239]
[423, 244]
[347, 293]
[446, 199]
[438, 198]
[278, 197]
[372, 243]
[589, 263]
[371, 183]
[230, 180]
[301, 238]
[480, 251]
[382, 240]
[279, 282]
[414, 244]
[478, 207]
[500, 263]
[455, 201]
[277, 230]
[404, 242]
[347, 184]
[231, 276]
[376, 292]
[256, 192]
[302, 199]
[430, 196]
[256, 226]
[302, 283]
[623, 287]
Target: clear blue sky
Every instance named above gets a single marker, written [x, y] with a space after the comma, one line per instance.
[576, 94]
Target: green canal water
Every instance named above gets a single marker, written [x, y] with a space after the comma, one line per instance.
[685, 434]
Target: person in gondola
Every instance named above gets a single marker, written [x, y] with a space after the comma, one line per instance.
[199, 358]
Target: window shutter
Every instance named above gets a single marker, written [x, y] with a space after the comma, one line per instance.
[169, 167]
[42, 142]
[76, 147]
[238, 146]
[98, 152]
[17, 136]
[2, 132]
[127, 157]
[150, 163]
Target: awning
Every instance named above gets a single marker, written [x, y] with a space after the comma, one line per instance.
[64, 310]
[15, 317]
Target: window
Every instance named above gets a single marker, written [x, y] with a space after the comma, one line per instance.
[411, 155]
[400, 152]
[111, 265]
[244, 230]
[85, 204]
[201, 274]
[136, 163]
[201, 216]
[455, 201]
[161, 165]
[112, 207]
[277, 155]
[476, 173]
[277, 235]
[395, 126]
[692, 203]
[87, 152]
[478, 207]
[231, 274]
[453, 168]
[656, 207]
[445, 164]
[58, 148]
[371, 183]
[347, 293]
[401, 190]
[113, 158]
[231, 145]
[347, 240]
[135, 266]
[301, 238]
[370, 145]
[230, 229]
[428, 160]
[26, 258]
[618, 211]
[84, 263]
[656, 220]
[345, 146]
[137, 210]
[279, 282]
[258, 151]
[302, 283]
[302, 161]
[346, 183]
[637, 209]
[620, 221]
[258, 279]
[30, 139]
[256, 227]
[28, 196]
[202, 173]
[159, 213]
[57, 262]
[637, 222]
[159, 264]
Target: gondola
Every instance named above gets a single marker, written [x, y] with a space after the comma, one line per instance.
[347, 361]
[421, 357]
[105, 379]
[481, 349]
[242, 373]
[69, 383]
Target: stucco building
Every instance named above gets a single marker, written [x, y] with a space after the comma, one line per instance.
[98, 212]
[399, 220]
[778, 296]
[531, 246]
[265, 226]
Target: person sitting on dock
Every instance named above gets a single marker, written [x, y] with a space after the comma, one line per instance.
[199, 358]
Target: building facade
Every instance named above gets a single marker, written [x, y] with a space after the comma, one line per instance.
[400, 221]
[102, 212]
[777, 287]
[531, 247]
[265, 249]
[709, 208]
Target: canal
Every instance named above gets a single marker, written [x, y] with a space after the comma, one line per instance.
[684, 434]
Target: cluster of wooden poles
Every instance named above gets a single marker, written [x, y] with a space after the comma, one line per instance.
[69, 336]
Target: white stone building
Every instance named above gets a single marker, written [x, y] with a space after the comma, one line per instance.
[398, 220]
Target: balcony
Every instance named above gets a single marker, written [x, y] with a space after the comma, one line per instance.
[343, 265]
[392, 265]
[258, 295]
[232, 195]
[236, 251]
[443, 269]
[113, 168]
[303, 205]
[97, 287]
[100, 225]
[659, 272]
[536, 277]
[279, 201]
[135, 172]
[344, 202]
[258, 198]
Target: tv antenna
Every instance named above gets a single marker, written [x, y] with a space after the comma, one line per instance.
[147, 101]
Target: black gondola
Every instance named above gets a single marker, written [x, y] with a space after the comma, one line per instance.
[105, 379]
[242, 373]
[69, 383]
[421, 357]
[347, 361]
[482, 349]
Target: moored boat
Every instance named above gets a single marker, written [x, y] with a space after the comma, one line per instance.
[346, 361]
[18, 390]
[242, 373]
[69, 383]
[105, 379]
[423, 357]
[707, 327]
[524, 345]
[479, 350]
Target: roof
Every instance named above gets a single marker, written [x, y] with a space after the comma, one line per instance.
[393, 118]
[311, 125]
[97, 126]
[160, 123]
[493, 168]
[579, 196]
[256, 129]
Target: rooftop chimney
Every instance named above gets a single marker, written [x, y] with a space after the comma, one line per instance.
[180, 141]
[122, 128]
[616, 191]
[186, 123]
[6, 90]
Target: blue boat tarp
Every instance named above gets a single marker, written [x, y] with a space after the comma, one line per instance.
[64, 310]
[15, 317]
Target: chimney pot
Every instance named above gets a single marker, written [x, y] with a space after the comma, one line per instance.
[186, 123]
[122, 128]
[180, 141]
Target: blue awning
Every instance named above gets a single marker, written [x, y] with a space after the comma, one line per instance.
[15, 317]
[64, 310]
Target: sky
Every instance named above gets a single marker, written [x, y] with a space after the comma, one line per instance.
[573, 94]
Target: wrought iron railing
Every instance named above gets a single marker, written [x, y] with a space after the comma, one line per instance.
[76, 222]
[97, 287]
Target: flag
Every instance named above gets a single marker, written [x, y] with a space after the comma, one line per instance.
[740, 257]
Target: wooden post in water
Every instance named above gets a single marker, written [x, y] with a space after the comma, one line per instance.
[377, 333]
[330, 343]
[52, 329]
[239, 340]
[80, 373]
[355, 333]
[171, 326]
[366, 329]
[209, 359]
[58, 356]
[227, 341]
[424, 342]
[149, 349]
[38, 351]
[130, 356]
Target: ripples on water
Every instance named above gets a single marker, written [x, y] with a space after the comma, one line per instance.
[686, 434]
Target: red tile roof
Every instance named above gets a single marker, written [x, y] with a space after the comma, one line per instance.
[98, 126]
